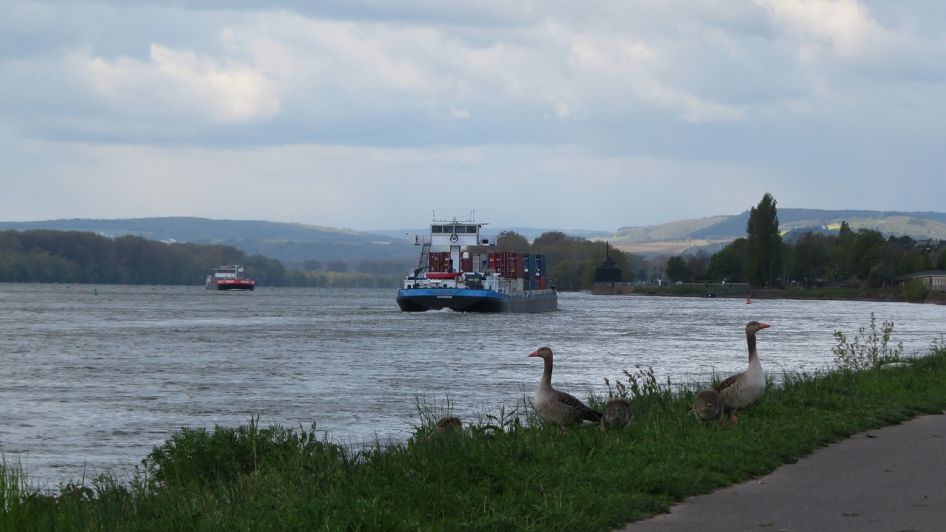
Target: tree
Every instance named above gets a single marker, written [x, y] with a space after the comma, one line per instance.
[728, 264]
[676, 269]
[512, 241]
[764, 261]
[808, 259]
[698, 266]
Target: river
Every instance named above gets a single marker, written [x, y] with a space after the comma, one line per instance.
[95, 376]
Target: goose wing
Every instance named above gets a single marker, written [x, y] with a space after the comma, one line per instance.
[728, 382]
[580, 410]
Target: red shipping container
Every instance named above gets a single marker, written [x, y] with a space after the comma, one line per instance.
[437, 261]
[512, 265]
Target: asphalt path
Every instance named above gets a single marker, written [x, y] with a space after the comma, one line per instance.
[890, 479]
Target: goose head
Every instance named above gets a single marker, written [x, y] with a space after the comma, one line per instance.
[706, 405]
[448, 424]
[544, 353]
[617, 414]
[755, 326]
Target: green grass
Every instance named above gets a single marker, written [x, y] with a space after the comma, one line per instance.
[506, 472]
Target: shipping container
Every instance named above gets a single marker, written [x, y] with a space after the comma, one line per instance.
[540, 265]
[438, 261]
[479, 262]
[528, 271]
[506, 263]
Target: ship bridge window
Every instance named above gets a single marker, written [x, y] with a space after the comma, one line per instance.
[453, 229]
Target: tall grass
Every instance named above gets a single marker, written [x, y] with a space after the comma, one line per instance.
[504, 470]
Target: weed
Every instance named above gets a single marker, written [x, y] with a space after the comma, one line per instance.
[868, 349]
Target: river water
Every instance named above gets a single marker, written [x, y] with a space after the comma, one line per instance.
[94, 376]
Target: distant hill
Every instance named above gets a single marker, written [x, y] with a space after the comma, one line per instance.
[291, 244]
[286, 242]
[712, 233]
[529, 233]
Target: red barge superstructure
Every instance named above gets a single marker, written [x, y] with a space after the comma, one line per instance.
[230, 277]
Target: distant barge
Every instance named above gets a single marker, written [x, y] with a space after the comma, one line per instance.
[229, 277]
[465, 280]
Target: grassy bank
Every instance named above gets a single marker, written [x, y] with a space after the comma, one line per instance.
[500, 474]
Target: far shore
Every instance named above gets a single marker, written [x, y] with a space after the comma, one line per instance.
[717, 290]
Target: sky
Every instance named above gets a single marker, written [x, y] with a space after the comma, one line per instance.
[375, 114]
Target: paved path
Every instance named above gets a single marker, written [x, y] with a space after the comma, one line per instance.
[891, 479]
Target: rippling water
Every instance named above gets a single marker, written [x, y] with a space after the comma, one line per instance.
[93, 377]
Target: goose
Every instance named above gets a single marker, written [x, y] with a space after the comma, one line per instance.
[617, 414]
[448, 424]
[553, 406]
[743, 389]
[706, 406]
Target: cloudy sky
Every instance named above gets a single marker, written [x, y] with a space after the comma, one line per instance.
[373, 114]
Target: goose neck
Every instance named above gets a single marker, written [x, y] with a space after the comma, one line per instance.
[547, 372]
[750, 340]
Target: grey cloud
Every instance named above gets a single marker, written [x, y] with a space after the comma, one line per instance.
[683, 90]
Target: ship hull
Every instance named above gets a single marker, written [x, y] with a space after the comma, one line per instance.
[472, 300]
[231, 286]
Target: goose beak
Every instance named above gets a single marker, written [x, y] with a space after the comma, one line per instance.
[763, 325]
[534, 354]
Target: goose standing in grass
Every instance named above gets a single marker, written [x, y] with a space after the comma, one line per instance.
[743, 389]
[553, 406]
[448, 424]
[706, 406]
[617, 414]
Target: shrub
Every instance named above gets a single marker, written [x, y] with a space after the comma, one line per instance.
[915, 291]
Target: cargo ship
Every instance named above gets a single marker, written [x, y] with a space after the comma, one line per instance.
[229, 277]
[456, 270]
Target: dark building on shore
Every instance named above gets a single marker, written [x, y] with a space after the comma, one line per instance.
[607, 273]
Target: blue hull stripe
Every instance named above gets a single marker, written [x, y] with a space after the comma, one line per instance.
[450, 292]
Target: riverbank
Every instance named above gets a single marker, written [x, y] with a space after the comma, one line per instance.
[502, 471]
[714, 290]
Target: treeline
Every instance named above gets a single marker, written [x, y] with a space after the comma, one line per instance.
[572, 259]
[863, 258]
[343, 279]
[47, 256]
[762, 259]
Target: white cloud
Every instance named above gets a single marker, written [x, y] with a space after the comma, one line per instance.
[838, 35]
[845, 25]
[348, 102]
[179, 83]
